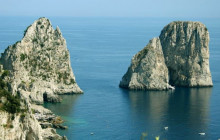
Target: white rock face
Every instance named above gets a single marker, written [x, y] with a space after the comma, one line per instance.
[148, 70]
[24, 127]
[40, 64]
[20, 128]
[182, 61]
[186, 51]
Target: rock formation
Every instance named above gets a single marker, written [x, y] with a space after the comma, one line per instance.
[148, 69]
[186, 51]
[34, 70]
[182, 61]
[40, 64]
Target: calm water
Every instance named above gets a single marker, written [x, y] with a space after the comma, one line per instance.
[101, 50]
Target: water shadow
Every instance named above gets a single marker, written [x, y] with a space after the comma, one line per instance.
[185, 111]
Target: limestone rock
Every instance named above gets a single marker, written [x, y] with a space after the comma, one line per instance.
[50, 134]
[40, 64]
[182, 61]
[40, 109]
[21, 127]
[186, 52]
[148, 70]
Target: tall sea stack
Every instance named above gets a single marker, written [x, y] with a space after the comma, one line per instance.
[148, 69]
[185, 62]
[40, 64]
[186, 52]
[34, 70]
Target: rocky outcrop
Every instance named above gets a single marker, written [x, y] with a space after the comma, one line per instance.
[40, 64]
[148, 69]
[24, 127]
[183, 59]
[186, 51]
[19, 127]
[34, 70]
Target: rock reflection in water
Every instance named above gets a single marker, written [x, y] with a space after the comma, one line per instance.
[185, 111]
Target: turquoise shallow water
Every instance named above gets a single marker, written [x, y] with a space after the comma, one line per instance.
[101, 50]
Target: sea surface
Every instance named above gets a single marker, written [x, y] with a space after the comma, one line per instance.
[101, 50]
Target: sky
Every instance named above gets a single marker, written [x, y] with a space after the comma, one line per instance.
[111, 8]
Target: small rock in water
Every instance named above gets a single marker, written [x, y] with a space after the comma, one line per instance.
[166, 128]
[91, 133]
[202, 134]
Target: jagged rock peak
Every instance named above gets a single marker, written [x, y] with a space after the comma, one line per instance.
[41, 29]
[186, 50]
[148, 70]
[40, 64]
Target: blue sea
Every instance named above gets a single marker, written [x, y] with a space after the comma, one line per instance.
[101, 50]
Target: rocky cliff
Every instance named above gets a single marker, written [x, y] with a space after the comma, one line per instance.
[40, 64]
[17, 118]
[34, 70]
[148, 69]
[179, 57]
[186, 51]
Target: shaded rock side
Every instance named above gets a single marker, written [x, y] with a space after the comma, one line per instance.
[147, 70]
[186, 51]
[40, 64]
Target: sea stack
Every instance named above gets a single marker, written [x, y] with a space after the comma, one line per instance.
[148, 69]
[183, 59]
[40, 64]
[186, 51]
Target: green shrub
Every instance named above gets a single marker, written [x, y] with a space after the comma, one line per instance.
[39, 22]
[72, 81]
[42, 44]
[2, 84]
[22, 117]
[32, 110]
[12, 105]
[23, 57]
[12, 117]
[35, 40]
[4, 74]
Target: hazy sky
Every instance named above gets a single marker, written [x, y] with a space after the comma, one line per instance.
[111, 8]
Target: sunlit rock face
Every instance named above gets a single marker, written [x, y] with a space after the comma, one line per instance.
[148, 70]
[179, 57]
[40, 64]
[186, 52]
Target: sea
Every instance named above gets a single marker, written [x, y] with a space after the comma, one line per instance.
[101, 49]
